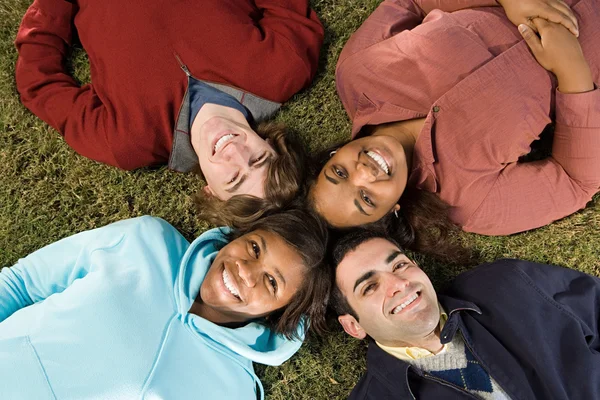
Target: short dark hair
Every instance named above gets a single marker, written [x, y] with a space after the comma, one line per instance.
[341, 246]
[304, 231]
[285, 176]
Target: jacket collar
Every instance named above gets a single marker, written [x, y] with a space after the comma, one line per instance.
[388, 368]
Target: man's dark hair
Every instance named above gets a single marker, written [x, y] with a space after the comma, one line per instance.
[307, 234]
[342, 245]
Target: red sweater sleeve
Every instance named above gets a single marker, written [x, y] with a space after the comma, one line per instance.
[49, 91]
[283, 50]
[529, 195]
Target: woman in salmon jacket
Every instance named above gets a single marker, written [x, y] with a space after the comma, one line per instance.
[444, 105]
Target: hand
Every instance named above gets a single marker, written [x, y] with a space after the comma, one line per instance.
[524, 11]
[559, 52]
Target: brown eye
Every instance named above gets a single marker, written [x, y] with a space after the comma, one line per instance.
[366, 198]
[339, 172]
[255, 249]
[273, 283]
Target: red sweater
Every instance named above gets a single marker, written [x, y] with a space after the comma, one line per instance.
[126, 116]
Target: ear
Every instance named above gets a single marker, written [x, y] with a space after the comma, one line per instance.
[351, 326]
[208, 191]
[396, 208]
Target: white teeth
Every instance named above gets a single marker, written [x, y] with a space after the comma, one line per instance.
[379, 160]
[229, 285]
[405, 304]
[222, 141]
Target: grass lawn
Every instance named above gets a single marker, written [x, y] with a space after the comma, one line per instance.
[48, 192]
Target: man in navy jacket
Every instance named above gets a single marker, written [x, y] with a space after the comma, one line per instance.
[506, 330]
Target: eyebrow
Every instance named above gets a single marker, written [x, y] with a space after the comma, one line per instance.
[393, 255]
[362, 210]
[363, 278]
[330, 179]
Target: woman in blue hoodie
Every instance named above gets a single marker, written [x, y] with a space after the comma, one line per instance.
[134, 311]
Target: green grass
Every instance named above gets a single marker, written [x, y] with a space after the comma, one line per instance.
[48, 192]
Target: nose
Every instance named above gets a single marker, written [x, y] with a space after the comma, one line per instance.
[395, 284]
[237, 153]
[247, 272]
[364, 174]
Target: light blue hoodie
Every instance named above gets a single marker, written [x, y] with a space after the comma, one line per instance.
[104, 315]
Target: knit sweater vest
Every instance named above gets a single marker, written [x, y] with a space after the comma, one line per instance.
[456, 365]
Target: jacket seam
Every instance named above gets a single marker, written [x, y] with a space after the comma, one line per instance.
[41, 366]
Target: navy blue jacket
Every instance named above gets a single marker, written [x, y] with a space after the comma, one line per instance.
[533, 327]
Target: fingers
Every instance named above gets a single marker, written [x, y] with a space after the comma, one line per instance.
[533, 41]
[539, 23]
[558, 12]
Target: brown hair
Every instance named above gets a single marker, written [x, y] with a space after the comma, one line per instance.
[285, 174]
[422, 223]
[307, 233]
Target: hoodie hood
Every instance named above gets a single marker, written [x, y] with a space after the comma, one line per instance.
[253, 341]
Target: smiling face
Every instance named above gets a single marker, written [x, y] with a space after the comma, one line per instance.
[393, 298]
[362, 182]
[233, 158]
[250, 278]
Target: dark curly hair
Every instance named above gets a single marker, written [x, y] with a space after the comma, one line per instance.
[422, 223]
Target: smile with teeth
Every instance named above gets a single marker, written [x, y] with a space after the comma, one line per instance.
[229, 285]
[221, 142]
[405, 304]
[380, 161]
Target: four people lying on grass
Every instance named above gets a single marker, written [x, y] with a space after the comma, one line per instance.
[443, 106]
[186, 84]
[506, 330]
[132, 310]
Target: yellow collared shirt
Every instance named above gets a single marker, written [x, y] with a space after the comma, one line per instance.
[414, 353]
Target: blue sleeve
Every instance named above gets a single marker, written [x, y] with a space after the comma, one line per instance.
[54, 267]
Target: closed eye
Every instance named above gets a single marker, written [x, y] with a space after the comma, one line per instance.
[258, 159]
[234, 178]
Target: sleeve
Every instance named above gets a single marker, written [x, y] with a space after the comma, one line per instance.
[52, 269]
[530, 195]
[285, 41]
[47, 89]
[576, 292]
[394, 16]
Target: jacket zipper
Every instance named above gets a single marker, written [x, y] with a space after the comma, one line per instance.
[443, 382]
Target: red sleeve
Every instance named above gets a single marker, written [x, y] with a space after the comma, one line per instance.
[50, 92]
[286, 42]
[530, 195]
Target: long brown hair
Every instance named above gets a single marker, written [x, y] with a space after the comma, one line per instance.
[284, 177]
